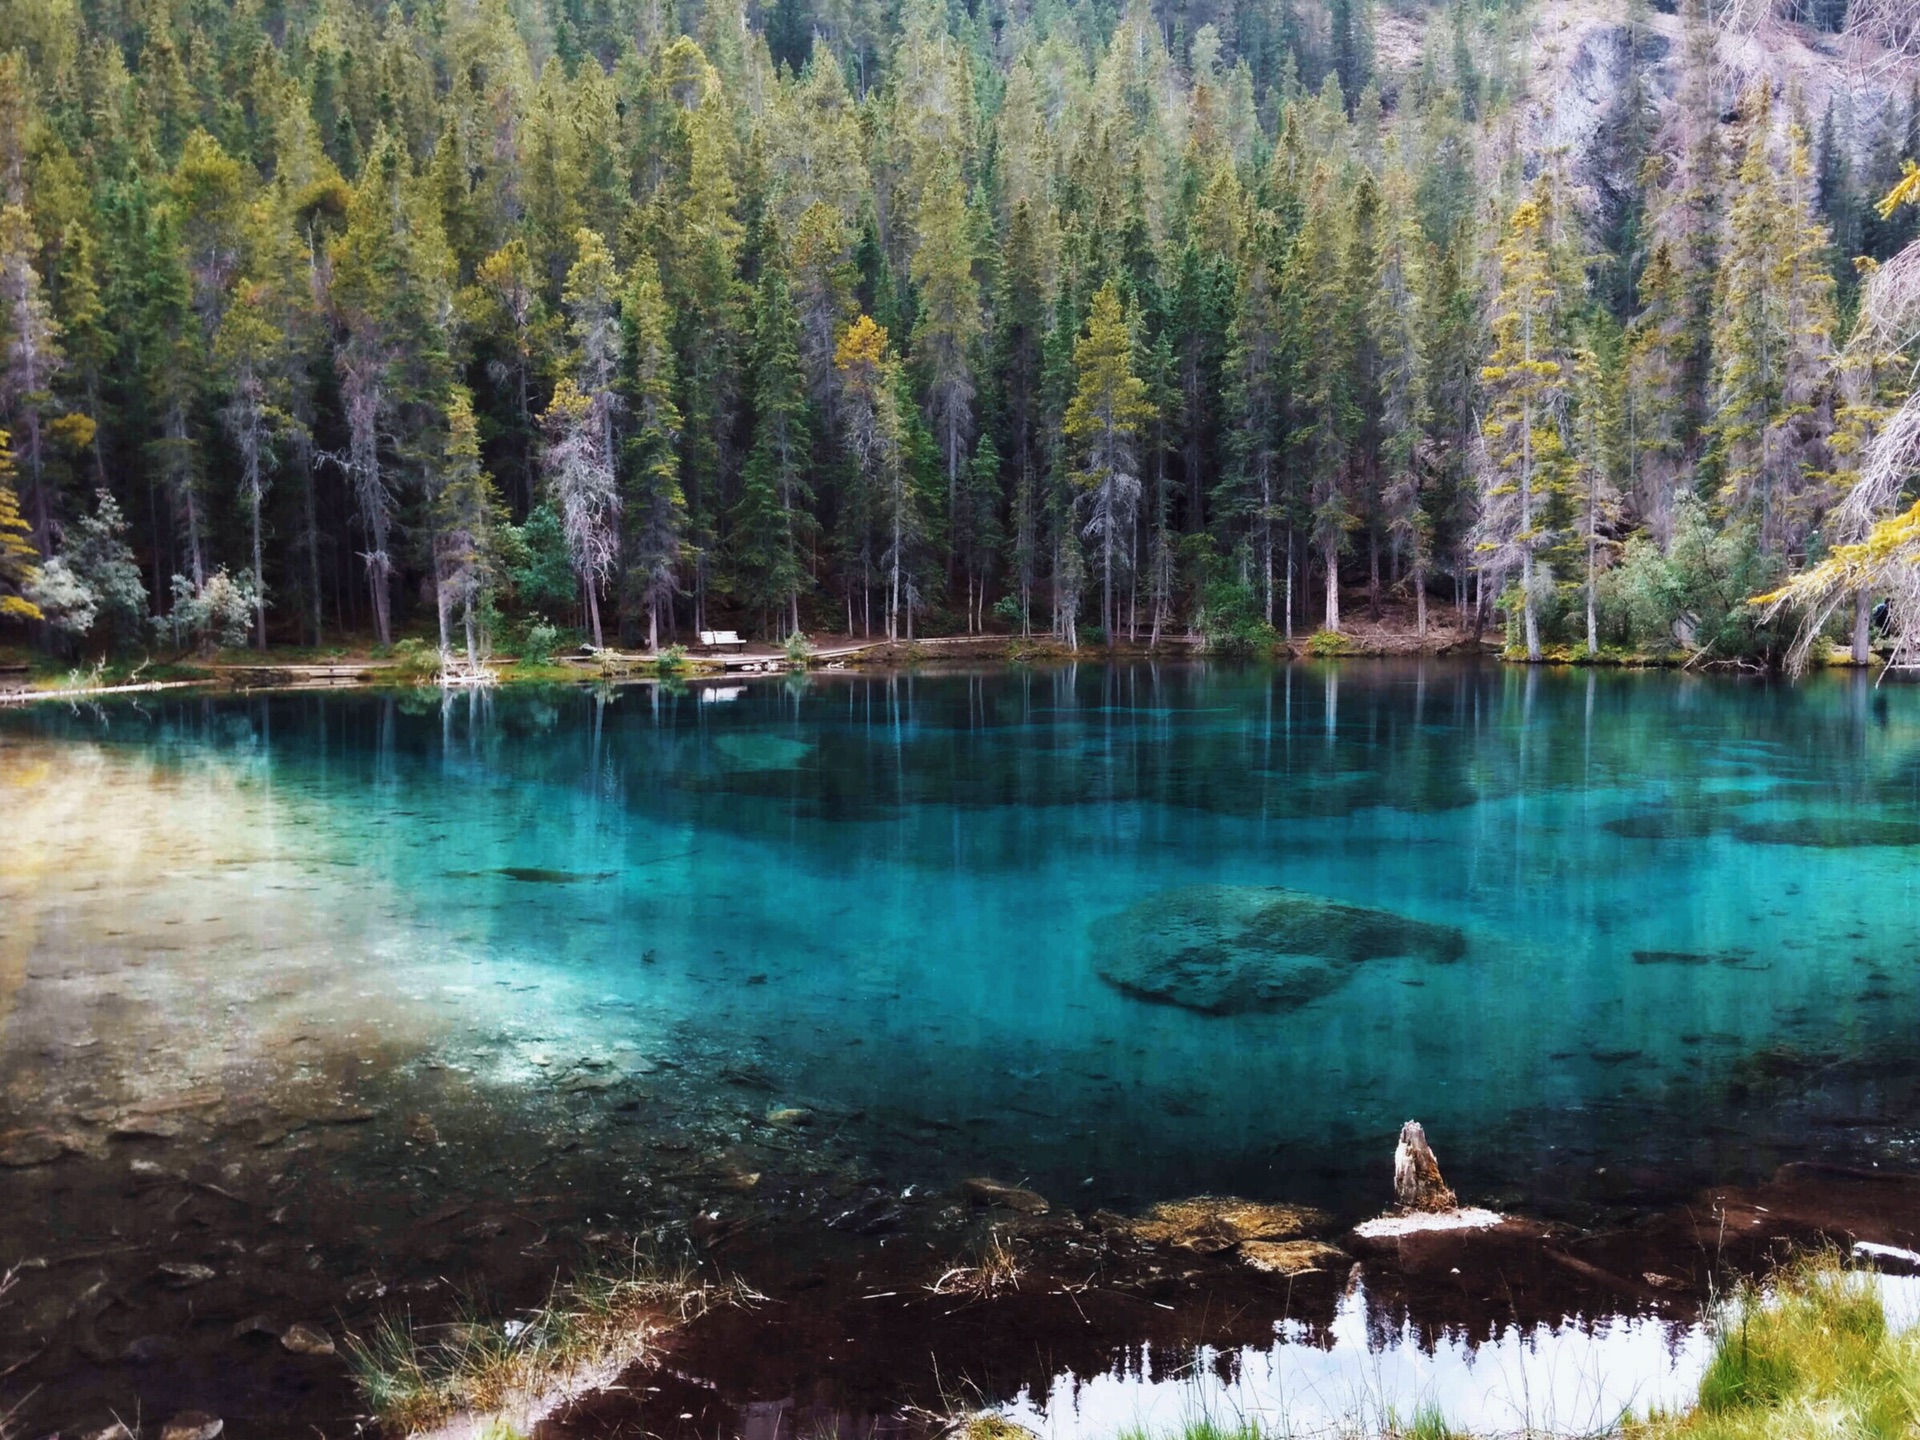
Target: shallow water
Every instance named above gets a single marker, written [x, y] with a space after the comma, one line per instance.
[1676, 918]
[1359, 1377]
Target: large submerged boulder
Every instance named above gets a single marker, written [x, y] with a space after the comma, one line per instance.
[1231, 949]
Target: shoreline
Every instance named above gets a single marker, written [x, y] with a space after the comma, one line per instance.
[291, 676]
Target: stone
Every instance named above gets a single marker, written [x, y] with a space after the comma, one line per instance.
[1293, 1257]
[981, 1191]
[304, 1339]
[1417, 1186]
[193, 1425]
[144, 1127]
[182, 1273]
[1211, 1224]
[148, 1350]
[115, 1431]
[1234, 949]
[789, 1116]
[22, 1149]
[256, 1327]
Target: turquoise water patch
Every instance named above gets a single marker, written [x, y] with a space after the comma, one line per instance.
[894, 897]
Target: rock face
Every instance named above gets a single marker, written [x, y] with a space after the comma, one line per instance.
[1231, 950]
[1417, 1186]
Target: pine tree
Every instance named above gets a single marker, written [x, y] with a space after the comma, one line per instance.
[947, 325]
[769, 521]
[655, 508]
[1773, 322]
[32, 357]
[463, 525]
[1525, 379]
[579, 476]
[1103, 422]
[877, 440]
[248, 352]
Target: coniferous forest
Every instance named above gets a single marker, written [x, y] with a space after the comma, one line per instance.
[459, 317]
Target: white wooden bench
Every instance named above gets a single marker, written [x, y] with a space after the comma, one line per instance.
[721, 640]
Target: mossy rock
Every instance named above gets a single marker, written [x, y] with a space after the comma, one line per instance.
[1232, 950]
[1209, 1224]
[1293, 1257]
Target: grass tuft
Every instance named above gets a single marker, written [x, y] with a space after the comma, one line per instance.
[1809, 1356]
[412, 1377]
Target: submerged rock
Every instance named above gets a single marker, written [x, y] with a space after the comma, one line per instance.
[982, 1191]
[1417, 1185]
[1292, 1257]
[304, 1339]
[22, 1149]
[1229, 950]
[193, 1425]
[1210, 1224]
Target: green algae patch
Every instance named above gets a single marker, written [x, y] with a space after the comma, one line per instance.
[1830, 832]
[1231, 950]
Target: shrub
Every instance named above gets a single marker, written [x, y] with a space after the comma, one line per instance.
[672, 660]
[1232, 621]
[414, 658]
[219, 613]
[539, 644]
[1325, 644]
[799, 650]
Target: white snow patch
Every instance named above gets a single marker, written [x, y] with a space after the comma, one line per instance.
[1467, 1218]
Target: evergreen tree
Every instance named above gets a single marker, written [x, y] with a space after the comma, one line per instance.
[1104, 421]
[1525, 378]
[655, 508]
[771, 518]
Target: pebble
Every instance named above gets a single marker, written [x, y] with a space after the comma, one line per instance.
[303, 1339]
[256, 1325]
[193, 1425]
[181, 1274]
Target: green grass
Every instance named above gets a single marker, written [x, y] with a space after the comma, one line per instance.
[1809, 1357]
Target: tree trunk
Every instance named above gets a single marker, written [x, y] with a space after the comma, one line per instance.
[1333, 586]
[1862, 627]
[593, 613]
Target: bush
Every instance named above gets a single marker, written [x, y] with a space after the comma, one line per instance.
[415, 659]
[1007, 609]
[1324, 644]
[540, 642]
[1232, 621]
[672, 660]
[799, 650]
[219, 613]
[1693, 596]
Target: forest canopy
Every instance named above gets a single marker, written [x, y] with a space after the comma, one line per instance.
[468, 315]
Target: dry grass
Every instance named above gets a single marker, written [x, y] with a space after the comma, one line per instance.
[995, 1268]
[415, 1377]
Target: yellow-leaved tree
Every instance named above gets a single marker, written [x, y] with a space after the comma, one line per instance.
[1886, 563]
[18, 558]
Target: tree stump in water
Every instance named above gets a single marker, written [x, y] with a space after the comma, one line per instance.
[1417, 1185]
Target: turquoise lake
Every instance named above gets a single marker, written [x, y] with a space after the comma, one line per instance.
[1687, 906]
